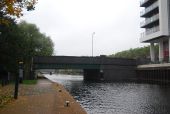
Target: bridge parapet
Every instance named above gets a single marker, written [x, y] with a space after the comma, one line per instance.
[65, 60]
[83, 60]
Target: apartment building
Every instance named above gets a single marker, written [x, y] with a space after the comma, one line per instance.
[156, 25]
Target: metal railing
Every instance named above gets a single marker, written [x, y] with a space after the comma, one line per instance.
[150, 8]
[143, 1]
[150, 31]
[149, 20]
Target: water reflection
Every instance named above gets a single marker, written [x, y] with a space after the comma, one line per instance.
[117, 98]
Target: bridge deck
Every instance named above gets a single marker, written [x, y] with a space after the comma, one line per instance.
[82, 60]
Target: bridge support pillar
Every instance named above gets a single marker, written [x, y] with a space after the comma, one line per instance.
[161, 56]
[152, 52]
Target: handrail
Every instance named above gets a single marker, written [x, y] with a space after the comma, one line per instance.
[150, 8]
[143, 1]
[149, 20]
[150, 31]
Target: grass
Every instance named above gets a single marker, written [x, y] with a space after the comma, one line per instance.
[29, 82]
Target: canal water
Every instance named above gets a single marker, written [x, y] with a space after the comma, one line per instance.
[116, 98]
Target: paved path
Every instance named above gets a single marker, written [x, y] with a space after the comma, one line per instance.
[43, 98]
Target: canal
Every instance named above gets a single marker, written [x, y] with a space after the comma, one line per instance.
[116, 98]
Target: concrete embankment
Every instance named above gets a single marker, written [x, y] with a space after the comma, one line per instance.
[45, 97]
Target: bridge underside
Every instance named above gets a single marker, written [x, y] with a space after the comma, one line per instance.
[95, 71]
[66, 66]
[90, 72]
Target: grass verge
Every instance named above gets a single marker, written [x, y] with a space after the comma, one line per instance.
[29, 82]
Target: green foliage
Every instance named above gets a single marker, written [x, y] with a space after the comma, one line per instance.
[6, 95]
[143, 52]
[9, 47]
[14, 8]
[35, 43]
[29, 82]
[20, 43]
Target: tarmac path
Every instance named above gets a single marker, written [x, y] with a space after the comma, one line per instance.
[45, 97]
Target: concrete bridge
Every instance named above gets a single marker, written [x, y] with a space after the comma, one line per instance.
[95, 68]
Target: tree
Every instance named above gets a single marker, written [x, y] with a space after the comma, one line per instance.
[34, 44]
[9, 47]
[14, 8]
[20, 42]
[143, 52]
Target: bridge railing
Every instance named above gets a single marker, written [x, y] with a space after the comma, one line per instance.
[82, 60]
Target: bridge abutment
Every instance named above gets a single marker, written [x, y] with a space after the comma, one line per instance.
[91, 74]
[119, 73]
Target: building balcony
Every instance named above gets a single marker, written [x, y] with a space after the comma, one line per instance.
[146, 3]
[150, 10]
[150, 31]
[149, 22]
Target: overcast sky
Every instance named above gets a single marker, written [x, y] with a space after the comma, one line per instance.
[70, 24]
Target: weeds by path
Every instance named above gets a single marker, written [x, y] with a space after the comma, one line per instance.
[7, 92]
[6, 95]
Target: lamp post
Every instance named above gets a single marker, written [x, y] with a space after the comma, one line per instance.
[92, 42]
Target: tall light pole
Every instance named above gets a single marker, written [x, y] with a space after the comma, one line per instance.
[92, 42]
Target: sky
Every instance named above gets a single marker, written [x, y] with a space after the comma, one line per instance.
[71, 23]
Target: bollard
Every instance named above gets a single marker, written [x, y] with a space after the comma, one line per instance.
[67, 103]
[59, 90]
[16, 87]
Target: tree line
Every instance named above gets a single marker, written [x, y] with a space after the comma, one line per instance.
[136, 53]
[21, 42]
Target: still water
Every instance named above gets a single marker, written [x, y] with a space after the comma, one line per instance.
[116, 98]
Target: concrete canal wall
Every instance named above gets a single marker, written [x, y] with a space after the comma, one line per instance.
[154, 72]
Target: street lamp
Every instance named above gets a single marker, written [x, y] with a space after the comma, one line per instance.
[92, 42]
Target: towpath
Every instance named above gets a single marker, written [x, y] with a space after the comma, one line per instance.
[43, 98]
